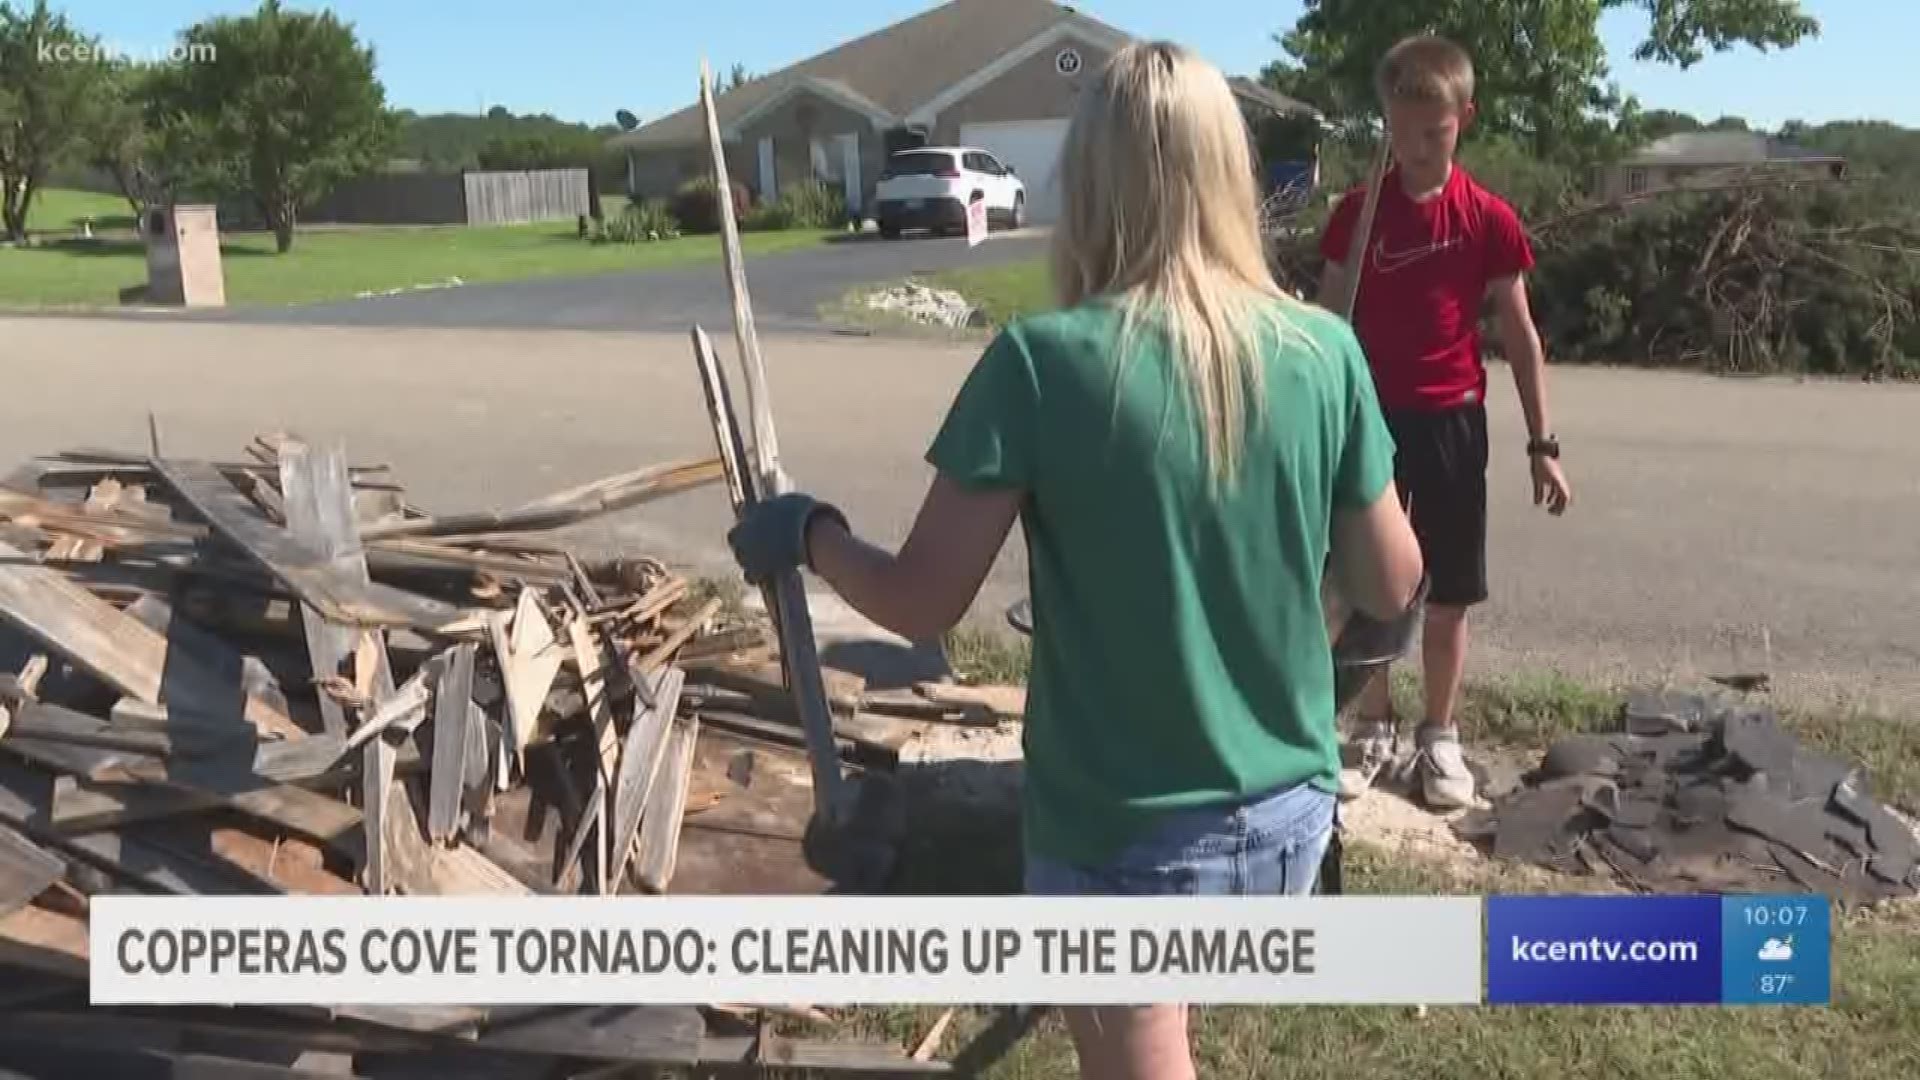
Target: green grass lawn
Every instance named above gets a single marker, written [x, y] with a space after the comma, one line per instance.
[59, 211]
[332, 264]
[1005, 291]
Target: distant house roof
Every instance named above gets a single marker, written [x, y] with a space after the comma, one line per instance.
[1722, 148]
[1248, 90]
[892, 71]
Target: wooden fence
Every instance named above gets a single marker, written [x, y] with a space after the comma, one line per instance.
[507, 198]
[455, 198]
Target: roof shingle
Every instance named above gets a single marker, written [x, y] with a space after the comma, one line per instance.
[898, 68]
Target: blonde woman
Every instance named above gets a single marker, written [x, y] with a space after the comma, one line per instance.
[1189, 451]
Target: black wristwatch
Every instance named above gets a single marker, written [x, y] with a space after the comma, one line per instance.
[1547, 447]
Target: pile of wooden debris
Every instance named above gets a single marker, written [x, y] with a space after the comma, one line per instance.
[277, 675]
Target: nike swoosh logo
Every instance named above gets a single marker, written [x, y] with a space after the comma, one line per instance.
[1387, 262]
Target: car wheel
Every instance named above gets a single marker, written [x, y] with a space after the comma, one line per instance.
[889, 232]
[1020, 211]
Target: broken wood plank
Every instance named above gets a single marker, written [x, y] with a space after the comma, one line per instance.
[26, 870]
[745, 1055]
[529, 661]
[1001, 702]
[118, 649]
[644, 1034]
[44, 941]
[419, 868]
[398, 555]
[606, 742]
[403, 709]
[603, 497]
[846, 692]
[646, 748]
[209, 651]
[319, 514]
[725, 644]
[453, 709]
[309, 572]
[84, 806]
[666, 802]
[664, 651]
[290, 863]
[930, 1046]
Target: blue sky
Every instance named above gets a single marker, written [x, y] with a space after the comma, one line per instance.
[582, 59]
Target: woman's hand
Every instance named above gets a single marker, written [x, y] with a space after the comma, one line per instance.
[771, 537]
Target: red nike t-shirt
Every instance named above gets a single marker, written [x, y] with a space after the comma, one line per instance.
[1426, 271]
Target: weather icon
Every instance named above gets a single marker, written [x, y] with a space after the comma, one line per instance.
[1777, 950]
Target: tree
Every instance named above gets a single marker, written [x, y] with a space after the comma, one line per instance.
[737, 78]
[289, 108]
[118, 142]
[1660, 123]
[1541, 65]
[48, 79]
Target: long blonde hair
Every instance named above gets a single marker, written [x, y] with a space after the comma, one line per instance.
[1161, 214]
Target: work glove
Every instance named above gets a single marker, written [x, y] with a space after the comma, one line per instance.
[771, 536]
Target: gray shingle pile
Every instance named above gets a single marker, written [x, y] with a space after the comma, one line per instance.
[1705, 794]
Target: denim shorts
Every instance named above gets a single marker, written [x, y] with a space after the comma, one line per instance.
[1270, 846]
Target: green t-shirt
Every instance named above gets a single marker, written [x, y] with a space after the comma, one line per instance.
[1180, 653]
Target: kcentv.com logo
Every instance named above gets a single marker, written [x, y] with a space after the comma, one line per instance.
[97, 52]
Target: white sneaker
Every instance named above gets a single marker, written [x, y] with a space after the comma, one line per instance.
[1371, 746]
[1441, 768]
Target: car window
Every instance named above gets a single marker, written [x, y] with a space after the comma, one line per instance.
[919, 163]
[989, 163]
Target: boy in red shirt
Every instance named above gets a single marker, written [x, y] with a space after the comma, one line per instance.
[1441, 244]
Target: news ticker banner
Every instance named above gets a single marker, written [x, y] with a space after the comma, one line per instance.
[968, 950]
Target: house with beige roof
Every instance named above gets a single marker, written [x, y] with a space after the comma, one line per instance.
[996, 75]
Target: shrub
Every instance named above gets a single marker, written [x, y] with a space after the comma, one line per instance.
[768, 217]
[697, 209]
[1821, 280]
[642, 222]
[814, 205]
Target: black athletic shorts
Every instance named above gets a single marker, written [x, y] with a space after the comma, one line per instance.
[1440, 466]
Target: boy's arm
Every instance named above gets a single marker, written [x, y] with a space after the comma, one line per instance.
[1520, 342]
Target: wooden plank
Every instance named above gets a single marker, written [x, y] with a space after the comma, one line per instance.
[85, 806]
[453, 708]
[44, 941]
[664, 651]
[666, 803]
[26, 870]
[290, 863]
[640, 760]
[319, 513]
[786, 595]
[741, 1052]
[25, 801]
[403, 709]
[1000, 702]
[649, 1034]
[632, 490]
[529, 661]
[593, 685]
[309, 572]
[930, 1046]
[117, 649]
[421, 869]
[846, 692]
[209, 651]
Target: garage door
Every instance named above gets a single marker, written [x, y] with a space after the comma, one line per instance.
[1032, 149]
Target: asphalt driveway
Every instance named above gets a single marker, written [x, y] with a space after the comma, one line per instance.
[787, 291]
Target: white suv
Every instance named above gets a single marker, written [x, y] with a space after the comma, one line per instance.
[929, 187]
